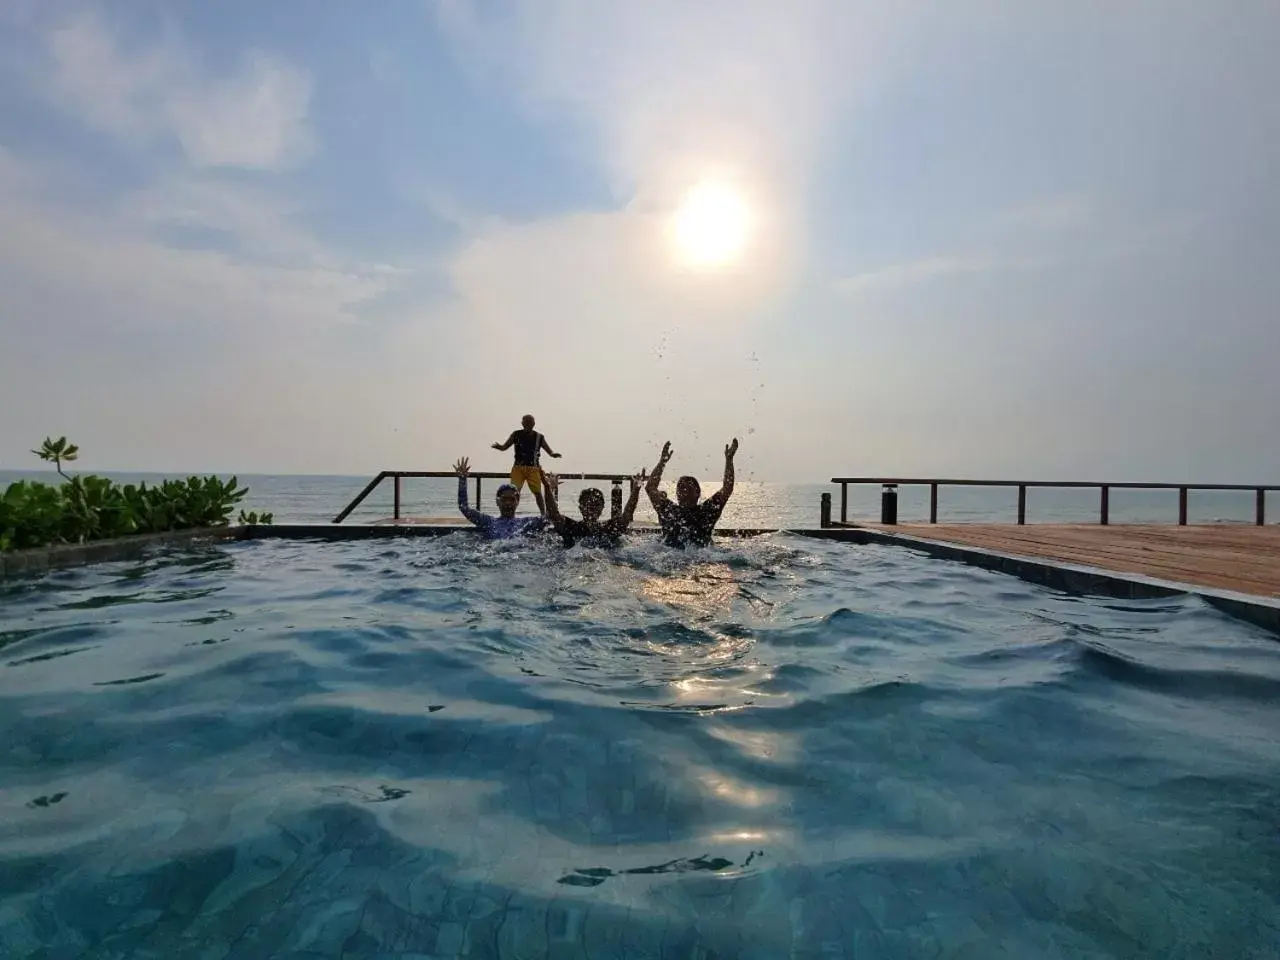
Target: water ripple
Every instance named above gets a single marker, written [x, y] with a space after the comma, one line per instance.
[772, 747]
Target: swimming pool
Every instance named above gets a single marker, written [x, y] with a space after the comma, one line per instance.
[776, 747]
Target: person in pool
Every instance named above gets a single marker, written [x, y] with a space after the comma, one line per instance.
[589, 531]
[688, 522]
[529, 445]
[504, 526]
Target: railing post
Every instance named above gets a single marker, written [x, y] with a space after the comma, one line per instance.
[1182, 506]
[396, 499]
[824, 510]
[933, 503]
[1105, 517]
[615, 500]
[1022, 503]
[1260, 506]
[844, 503]
[478, 493]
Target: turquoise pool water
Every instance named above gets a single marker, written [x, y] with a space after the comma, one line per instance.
[773, 748]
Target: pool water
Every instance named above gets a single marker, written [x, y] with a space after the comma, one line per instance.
[777, 747]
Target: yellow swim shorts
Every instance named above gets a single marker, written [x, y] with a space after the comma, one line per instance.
[519, 475]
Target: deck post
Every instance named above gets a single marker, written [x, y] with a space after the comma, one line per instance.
[889, 504]
[1182, 506]
[1260, 506]
[395, 513]
[933, 503]
[1022, 504]
[844, 503]
[477, 493]
[1105, 517]
[824, 510]
[615, 500]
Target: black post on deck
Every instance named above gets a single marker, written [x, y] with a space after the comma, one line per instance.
[1260, 506]
[615, 500]
[933, 503]
[824, 510]
[844, 503]
[1105, 507]
[477, 493]
[1182, 506]
[1022, 504]
[395, 500]
[889, 504]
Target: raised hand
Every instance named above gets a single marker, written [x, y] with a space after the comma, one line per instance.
[461, 468]
[731, 449]
[637, 480]
[666, 452]
[551, 480]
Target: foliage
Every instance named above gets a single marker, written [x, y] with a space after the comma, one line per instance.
[88, 507]
[253, 517]
[56, 451]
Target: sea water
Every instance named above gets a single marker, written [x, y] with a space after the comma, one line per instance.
[318, 499]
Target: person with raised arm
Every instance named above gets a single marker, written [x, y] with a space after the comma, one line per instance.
[590, 531]
[504, 526]
[688, 522]
[529, 444]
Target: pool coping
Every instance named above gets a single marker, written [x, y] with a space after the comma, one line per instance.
[61, 555]
[1261, 611]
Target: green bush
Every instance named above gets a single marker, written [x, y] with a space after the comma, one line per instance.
[88, 508]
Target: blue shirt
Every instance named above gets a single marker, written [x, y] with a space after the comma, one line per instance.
[497, 528]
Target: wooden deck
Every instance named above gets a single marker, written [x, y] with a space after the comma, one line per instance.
[1235, 557]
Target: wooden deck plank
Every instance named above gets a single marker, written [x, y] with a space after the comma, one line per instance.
[1241, 558]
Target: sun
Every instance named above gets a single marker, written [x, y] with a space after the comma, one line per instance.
[711, 225]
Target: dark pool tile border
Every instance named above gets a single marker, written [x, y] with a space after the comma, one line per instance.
[39, 559]
[1072, 578]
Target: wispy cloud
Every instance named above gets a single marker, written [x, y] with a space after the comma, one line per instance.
[920, 271]
[254, 117]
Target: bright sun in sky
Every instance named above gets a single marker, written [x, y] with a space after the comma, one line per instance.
[711, 225]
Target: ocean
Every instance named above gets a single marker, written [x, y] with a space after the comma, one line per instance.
[297, 498]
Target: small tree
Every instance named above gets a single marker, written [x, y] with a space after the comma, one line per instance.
[56, 451]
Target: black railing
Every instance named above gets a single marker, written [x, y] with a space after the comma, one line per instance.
[397, 475]
[890, 485]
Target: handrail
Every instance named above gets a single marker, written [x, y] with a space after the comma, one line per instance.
[1104, 488]
[915, 482]
[478, 475]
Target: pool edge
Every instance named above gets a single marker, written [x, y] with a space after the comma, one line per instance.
[1261, 611]
[14, 563]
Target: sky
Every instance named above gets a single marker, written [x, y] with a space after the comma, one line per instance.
[985, 239]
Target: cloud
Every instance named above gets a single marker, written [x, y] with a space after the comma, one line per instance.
[919, 271]
[673, 89]
[256, 117]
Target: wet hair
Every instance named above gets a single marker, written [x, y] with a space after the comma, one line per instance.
[691, 484]
[527, 421]
[591, 496]
[507, 488]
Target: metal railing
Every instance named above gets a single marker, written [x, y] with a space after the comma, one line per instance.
[397, 475]
[890, 485]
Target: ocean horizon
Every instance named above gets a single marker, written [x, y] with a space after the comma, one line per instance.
[318, 498]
